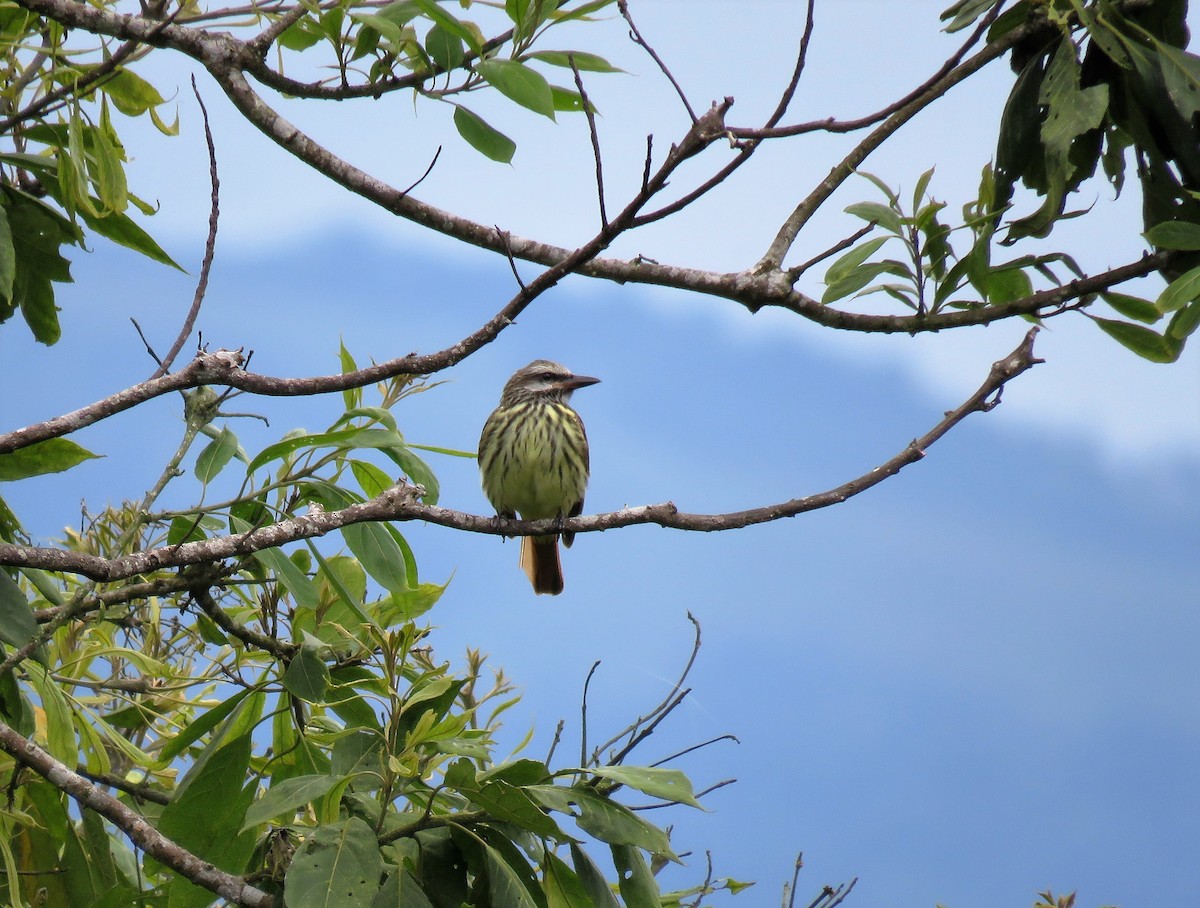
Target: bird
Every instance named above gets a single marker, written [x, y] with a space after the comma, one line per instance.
[533, 461]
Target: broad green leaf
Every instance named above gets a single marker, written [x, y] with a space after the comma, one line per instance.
[204, 818]
[668, 784]
[510, 804]
[307, 675]
[445, 48]
[599, 892]
[415, 469]
[1185, 321]
[485, 139]
[886, 217]
[200, 726]
[1133, 307]
[287, 797]
[339, 866]
[583, 11]
[302, 35]
[1004, 285]
[401, 890]
[583, 62]
[297, 581]
[505, 885]
[1145, 343]
[603, 818]
[372, 480]
[858, 279]
[1174, 235]
[130, 93]
[845, 265]
[351, 397]
[216, 454]
[519, 83]
[54, 455]
[562, 885]
[400, 608]
[379, 554]
[344, 439]
[964, 12]
[1180, 292]
[452, 25]
[123, 230]
[56, 711]
[636, 882]
[8, 262]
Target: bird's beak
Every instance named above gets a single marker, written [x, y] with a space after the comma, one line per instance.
[577, 381]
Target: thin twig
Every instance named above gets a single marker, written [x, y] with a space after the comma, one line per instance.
[591, 121]
[793, 274]
[583, 754]
[688, 750]
[636, 37]
[428, 170]
[210, 245]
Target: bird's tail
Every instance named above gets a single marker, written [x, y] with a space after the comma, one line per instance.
[539, 561]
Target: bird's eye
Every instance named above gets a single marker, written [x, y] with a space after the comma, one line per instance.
[547, 376]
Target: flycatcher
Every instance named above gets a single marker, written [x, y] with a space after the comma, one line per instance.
[533, 459]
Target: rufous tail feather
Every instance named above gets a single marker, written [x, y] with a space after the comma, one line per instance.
[539, 561]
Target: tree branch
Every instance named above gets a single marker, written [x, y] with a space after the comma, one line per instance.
[400, 503]
[135, 826]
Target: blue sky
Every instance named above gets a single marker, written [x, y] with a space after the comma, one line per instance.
[976, 681]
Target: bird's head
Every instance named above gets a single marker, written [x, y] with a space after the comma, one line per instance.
[543, 378]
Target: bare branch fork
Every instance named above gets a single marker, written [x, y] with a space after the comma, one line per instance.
[400, 503]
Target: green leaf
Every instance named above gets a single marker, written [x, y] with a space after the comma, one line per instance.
[602, 818]
[1180, 292]
[1145, 343]
[415, 469]
[287, 571]
[411, 604]
[636, 882]
[505, 884]
[583, 62]
[519, 83]
[668, 784]
[444, 48]
[1133, 307]
[307, 675]
[339, 866]
[380, 555]
[54, 455]
[483, 138]
[964, 12]
[216, 454]
[287, 797]
[844, 266]
[204, 817]
[17, 624]
[130, 93]
[372, 480]
[123, 230]
[562, 885]
[345, 439]
[599, 892]
[885, 217]
[452, 25]
[200, 726]
[858, 279]
[56, 712]
[8, 262]
[1184, 322]
[512, 805]
[1174, 235]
